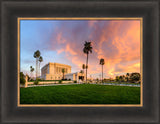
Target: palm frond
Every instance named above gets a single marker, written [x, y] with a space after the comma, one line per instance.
[87, 47]
[102, 62]
[40, 59]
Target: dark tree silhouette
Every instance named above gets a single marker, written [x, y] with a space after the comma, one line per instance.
[31, 70]
[87, 49]
[36, 55]
[83, 67]
[63, 71]
[102, 62]
[40, 60]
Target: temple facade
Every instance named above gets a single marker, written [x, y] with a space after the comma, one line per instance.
[53, 71]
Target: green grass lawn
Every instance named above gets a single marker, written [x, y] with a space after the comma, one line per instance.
[80, 94]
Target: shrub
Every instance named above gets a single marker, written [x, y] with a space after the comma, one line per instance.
[64, 79]
[22, 81]
[31, 80]
[135, 77]
[22, 78]
[75, 81]
[36, 82]
[60, 81]
[39, 79]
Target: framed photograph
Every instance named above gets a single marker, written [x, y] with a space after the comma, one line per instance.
[110, 78]
[80, 62]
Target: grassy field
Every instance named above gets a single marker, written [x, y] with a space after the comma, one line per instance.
[80, 94]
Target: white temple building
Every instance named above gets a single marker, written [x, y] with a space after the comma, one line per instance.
[53, 71]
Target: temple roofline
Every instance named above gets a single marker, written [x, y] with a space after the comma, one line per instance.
[51, 63]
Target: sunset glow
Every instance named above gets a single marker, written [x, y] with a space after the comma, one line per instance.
[62, 41]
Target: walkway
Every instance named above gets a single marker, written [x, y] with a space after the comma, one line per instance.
[114, 84]
[50, 85]
[131, 85]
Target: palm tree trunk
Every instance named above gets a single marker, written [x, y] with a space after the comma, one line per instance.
[36, 66]
[83, 75]
[86, 67]
[39, 68]
[102, 73]
[31, 74]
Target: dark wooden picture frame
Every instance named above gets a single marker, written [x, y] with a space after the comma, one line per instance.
[140, 104]
[11, 10]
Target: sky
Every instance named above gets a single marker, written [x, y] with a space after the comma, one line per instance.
[62, 41]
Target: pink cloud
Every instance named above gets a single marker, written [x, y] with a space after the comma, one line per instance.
[118, 42]
[60, 39]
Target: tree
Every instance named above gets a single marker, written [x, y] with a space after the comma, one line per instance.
[127, 74]
[120, 78]
[97, 80]
[63, 71]
[135, 77]
[123, 78]
[22, 78]
[127, 77]
[29, 78]
[36, 55]
[117, 78]
[83, 67]
[102, 62]
[87, 49]
[31, 70]
[40, 60]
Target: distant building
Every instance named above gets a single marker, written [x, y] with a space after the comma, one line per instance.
[53, 71]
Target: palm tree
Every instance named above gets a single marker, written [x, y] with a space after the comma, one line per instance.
[127, 77]
[83, 67]
[40, 60]
[121, 77]
[36, 55]
[63, 71]
[127, 74]
[117, 78]
[102, 62]
[87, 49]
[31, 70]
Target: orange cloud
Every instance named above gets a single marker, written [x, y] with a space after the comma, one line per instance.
[71, 51]
[123, 44]
[118, 42]
[67, 49]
